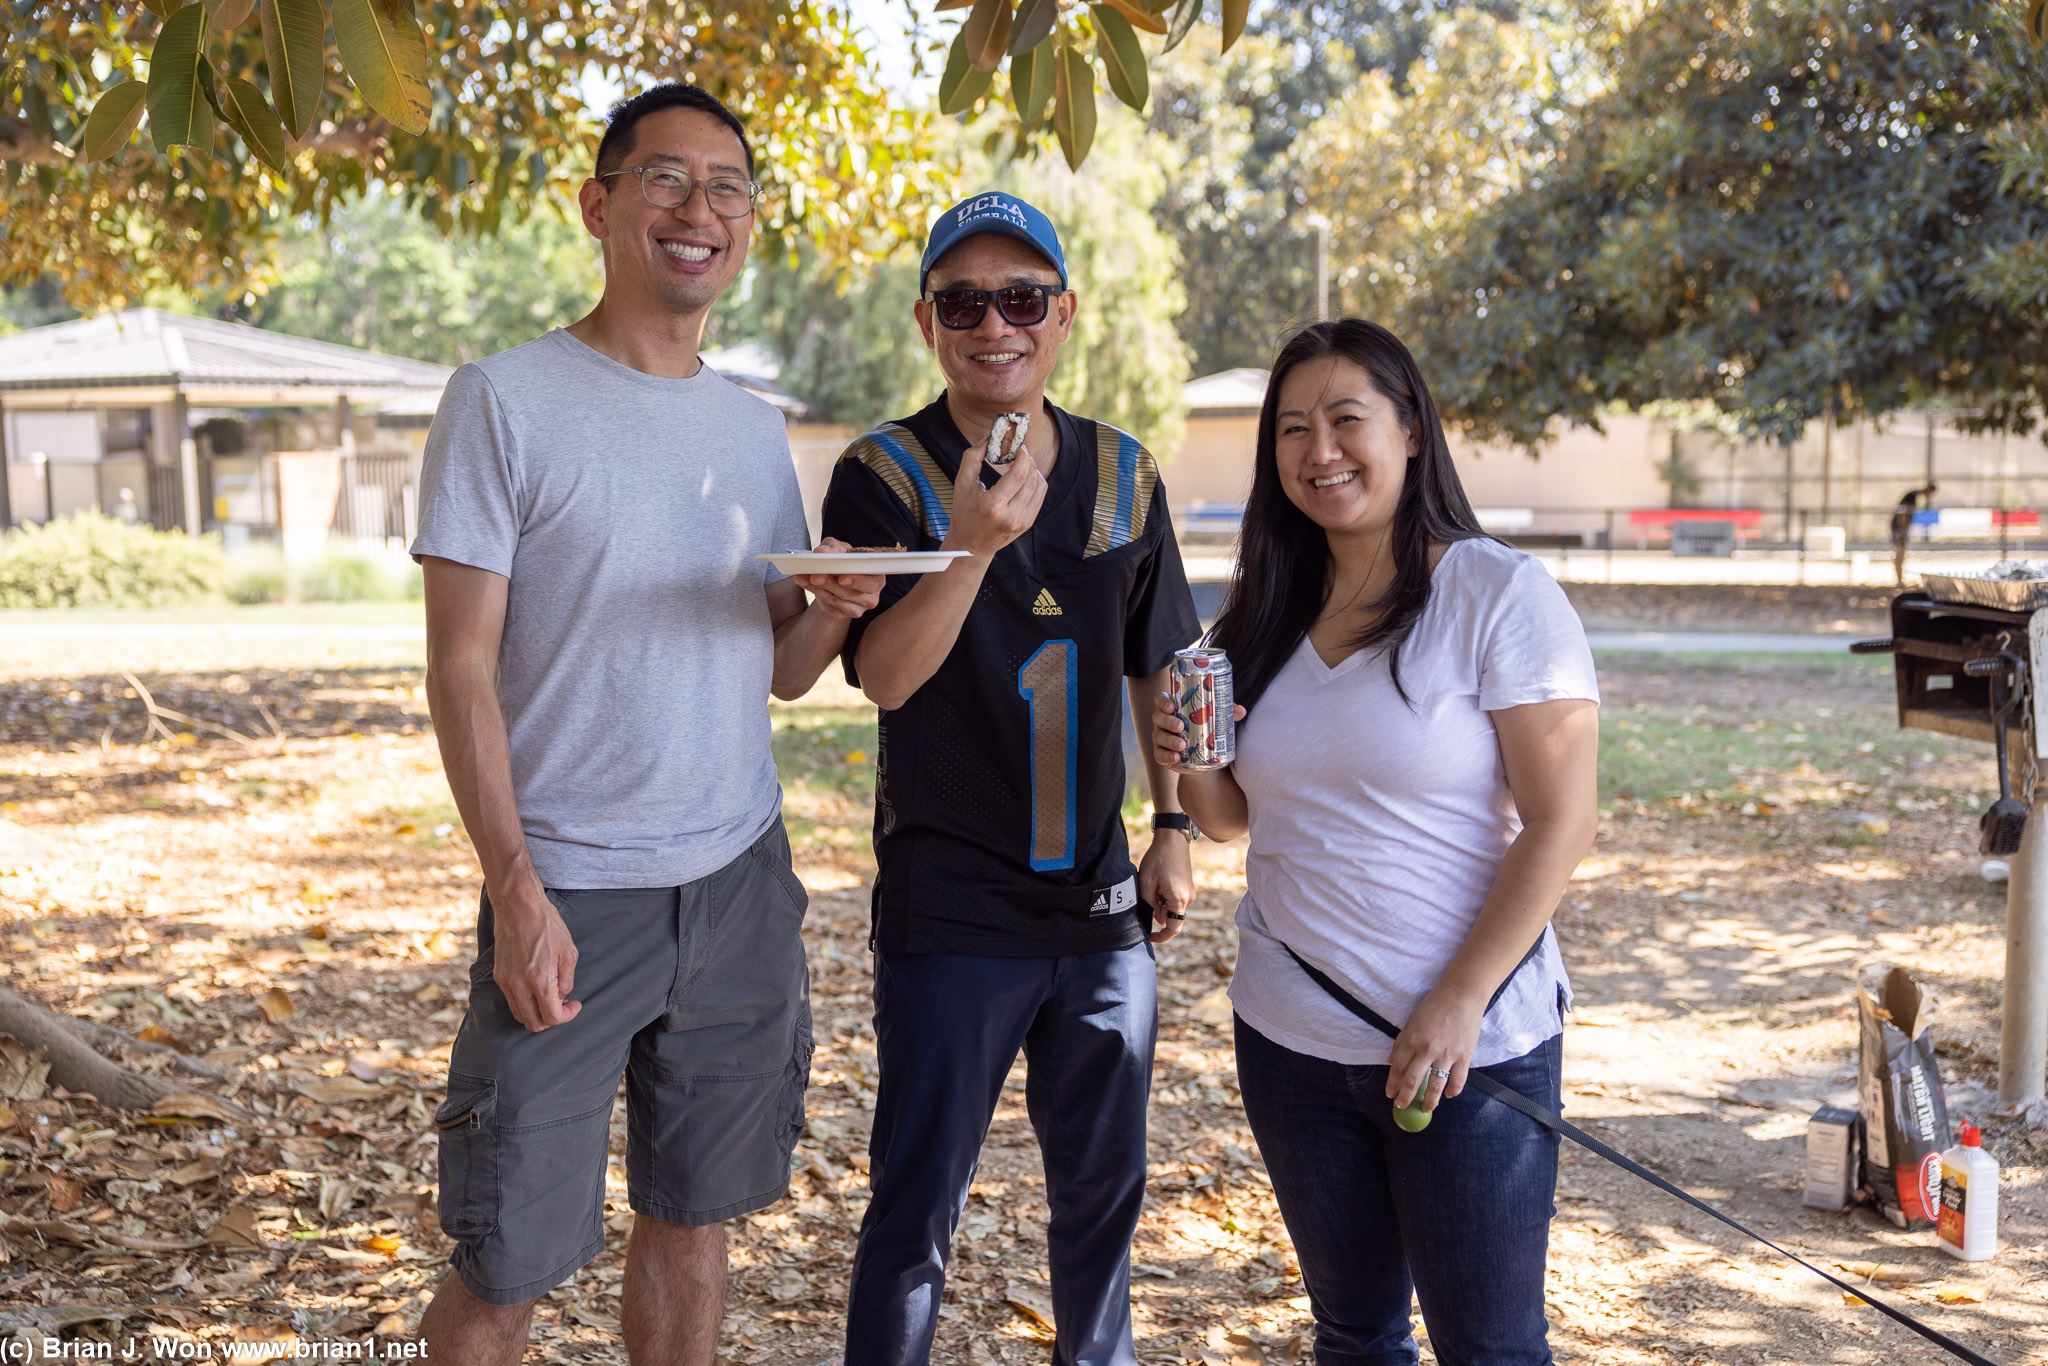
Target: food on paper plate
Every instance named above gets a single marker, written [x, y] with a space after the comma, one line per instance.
[877, 550]
[1006, 437]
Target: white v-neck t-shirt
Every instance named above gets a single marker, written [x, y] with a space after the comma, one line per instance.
[1378, 825]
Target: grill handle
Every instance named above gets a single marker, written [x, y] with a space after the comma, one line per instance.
[1884, 645]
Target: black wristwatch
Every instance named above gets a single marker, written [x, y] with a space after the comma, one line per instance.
[1176, 820]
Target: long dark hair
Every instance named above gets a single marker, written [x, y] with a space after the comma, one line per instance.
[1283, 558]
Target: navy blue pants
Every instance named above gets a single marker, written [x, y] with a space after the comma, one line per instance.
[947, 1028]
[1458, 1216]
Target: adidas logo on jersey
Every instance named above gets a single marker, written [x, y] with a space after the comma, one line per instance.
[1045, 606]
[1101, 903]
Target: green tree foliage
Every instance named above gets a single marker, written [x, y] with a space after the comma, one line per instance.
[1325, 74]
[1779, 208]
[376, 275]
[1405, 156]
[1125, 363]
[846, 340]
[1229, 206]
[462, 108]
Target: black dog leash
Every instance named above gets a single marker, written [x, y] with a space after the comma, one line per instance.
[1515, 1100]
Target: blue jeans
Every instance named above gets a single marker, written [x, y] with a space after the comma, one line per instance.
[1458, 1214]
[947, 1028]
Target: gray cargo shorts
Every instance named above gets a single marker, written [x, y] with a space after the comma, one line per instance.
[700, 996]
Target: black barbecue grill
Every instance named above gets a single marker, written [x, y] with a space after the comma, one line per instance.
[1930, 643]
[1960, 668]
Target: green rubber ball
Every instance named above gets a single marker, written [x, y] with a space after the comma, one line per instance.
[1412, 1117]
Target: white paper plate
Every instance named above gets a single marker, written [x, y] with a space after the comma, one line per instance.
[871, 562]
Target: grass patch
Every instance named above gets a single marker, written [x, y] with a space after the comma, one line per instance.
[825, 755]
[1817, 729]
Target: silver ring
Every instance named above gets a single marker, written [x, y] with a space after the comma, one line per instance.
[1443, 1072]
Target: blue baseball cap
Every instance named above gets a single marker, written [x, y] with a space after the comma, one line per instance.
[992, 212]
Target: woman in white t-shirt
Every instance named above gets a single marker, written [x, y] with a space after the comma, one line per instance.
[1416, 769]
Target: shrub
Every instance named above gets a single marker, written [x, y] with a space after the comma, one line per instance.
[92, 560]
[258, 576]
[346, 576]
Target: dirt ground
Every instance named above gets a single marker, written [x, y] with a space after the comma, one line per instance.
[298, 912]
[1809, 609]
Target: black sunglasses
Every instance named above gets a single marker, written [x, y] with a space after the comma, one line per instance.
[1020, 305]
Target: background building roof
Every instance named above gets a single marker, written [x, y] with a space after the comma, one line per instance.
[148, 348]
[1227, 393]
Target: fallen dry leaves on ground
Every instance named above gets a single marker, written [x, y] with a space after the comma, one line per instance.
[299, 914]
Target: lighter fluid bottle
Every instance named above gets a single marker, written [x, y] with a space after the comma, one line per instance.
[1966, 1225]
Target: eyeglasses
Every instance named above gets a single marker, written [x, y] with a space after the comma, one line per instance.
[1020, 305]
[667, 188]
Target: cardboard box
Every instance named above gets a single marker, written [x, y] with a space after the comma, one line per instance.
[1834, 1157]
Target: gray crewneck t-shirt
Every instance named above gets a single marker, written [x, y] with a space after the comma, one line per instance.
[626, 511]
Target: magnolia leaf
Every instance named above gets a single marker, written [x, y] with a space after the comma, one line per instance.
[987, 31]
[2037, 21]
[193, 1172]
[210, 88]
[229, 14]
[276, 1005]
[1235, 12]
[196, 1105]
[1073, 110]
[1214, 1009]
[236, 1228]
[257, 124]
[336, 1090]
[24, 1071]
[294, 46]
[1031, 83]
[113, 121]
[179, 110]
[1033, 25]
[1122, 58]
[160, 8]
[963, 83]
[1185, 15]
[1138, 15]
[385, 54]
[1031, 1303]
[945, 5]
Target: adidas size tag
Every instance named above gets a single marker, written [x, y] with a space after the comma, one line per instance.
[1114, 900]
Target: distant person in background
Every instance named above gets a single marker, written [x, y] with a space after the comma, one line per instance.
[124, 507]
[1902, 527]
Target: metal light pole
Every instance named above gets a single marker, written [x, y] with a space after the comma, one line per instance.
[1322, 231]
[2023, 1022]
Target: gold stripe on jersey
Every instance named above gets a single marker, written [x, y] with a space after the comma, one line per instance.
[893, 453]
[1125, 477]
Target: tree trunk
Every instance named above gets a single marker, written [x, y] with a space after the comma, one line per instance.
[74, 1065]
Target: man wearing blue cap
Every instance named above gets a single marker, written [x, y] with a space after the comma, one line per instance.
[1007, 913]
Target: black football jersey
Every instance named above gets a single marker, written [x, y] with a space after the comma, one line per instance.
[1000, 783]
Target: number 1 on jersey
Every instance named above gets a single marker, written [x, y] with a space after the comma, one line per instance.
[1049, 682]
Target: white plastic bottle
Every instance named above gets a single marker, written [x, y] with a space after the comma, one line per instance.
[1966, 1226]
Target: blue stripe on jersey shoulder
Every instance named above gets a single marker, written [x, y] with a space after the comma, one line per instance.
[892, 452]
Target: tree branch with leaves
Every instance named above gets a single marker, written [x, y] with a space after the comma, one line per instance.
[159, 147]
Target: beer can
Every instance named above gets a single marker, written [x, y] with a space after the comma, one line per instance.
[1202, 691]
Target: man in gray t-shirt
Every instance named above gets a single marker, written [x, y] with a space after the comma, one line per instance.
[601, 647]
